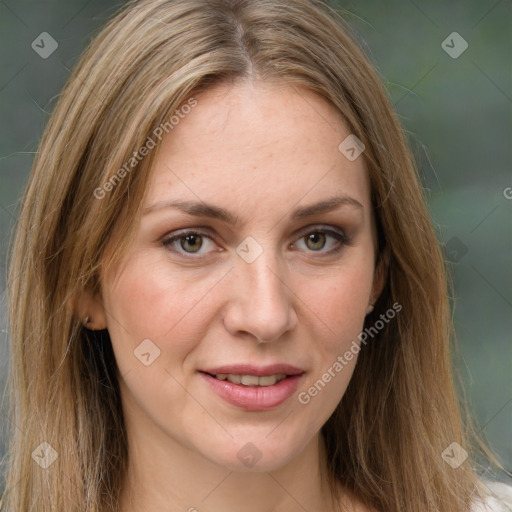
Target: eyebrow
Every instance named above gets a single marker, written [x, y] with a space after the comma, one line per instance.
[202, 209]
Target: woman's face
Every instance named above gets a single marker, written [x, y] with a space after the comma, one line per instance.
[237, 269]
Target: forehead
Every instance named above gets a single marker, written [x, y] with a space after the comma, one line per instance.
[257, 145]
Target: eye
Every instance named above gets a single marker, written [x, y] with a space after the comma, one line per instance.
[317, 239]
[187, 242]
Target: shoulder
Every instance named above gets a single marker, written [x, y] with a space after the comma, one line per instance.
[499, 498]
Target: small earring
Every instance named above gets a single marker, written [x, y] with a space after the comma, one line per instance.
[370, 309]
[87, 321]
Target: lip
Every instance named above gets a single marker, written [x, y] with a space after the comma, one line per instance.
[254, 398]
[259, 371]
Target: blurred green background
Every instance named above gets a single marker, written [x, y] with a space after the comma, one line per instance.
[456, 110]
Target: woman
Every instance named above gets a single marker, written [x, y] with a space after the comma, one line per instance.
[225, 291]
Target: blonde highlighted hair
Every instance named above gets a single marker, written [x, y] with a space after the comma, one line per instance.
[400, 411]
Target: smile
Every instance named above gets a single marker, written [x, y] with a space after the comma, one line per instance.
[251, 380]
[254, 388]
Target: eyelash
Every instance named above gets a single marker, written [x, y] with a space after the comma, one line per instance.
[342, 239]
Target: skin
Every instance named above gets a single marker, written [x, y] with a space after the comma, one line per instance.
[259, 150]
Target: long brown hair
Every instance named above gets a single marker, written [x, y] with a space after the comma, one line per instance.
[400, 411]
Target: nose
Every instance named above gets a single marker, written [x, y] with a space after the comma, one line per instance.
[261, 302]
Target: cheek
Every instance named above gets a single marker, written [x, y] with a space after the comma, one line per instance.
[336, 309]
[339, 302]
[337, 320]
[147, 301]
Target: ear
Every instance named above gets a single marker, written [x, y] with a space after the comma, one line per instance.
[88, 308]
[380, 275]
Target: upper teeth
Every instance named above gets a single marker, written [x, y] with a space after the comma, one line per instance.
[251, 380]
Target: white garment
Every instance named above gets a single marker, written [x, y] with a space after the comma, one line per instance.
[499, 499]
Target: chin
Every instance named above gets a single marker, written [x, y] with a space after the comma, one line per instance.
[256, 455]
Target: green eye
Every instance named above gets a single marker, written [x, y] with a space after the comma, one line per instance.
[187, 242]
[194, 242]
[316, 239]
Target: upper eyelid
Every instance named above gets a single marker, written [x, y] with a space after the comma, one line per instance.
[207, 231]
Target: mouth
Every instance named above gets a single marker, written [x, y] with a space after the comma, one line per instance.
[250, 380]
[252, 375]
[253, 388]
